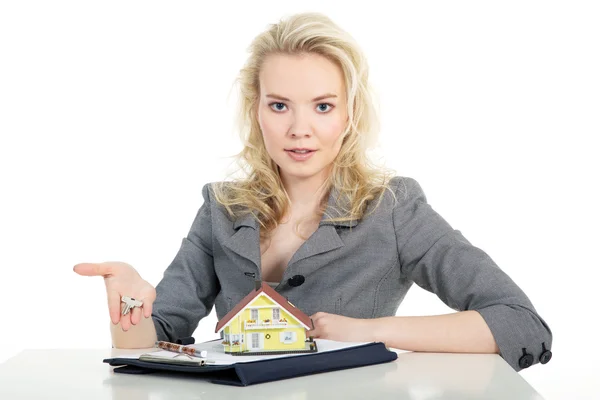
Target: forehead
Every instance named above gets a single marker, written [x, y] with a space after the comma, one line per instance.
[300, 77]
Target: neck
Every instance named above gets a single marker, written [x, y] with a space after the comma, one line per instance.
[305, 194]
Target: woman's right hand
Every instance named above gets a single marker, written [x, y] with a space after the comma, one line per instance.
[121, 279]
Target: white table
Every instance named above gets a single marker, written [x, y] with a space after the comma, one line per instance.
[81, 374]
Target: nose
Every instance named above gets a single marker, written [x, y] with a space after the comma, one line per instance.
[300, 125]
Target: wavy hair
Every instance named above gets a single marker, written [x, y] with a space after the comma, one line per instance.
[357, 181]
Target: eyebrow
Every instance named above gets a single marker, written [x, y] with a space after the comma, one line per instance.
[325, 96]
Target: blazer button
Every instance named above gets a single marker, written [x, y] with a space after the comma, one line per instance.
[296, 280]
[546, 354]
[526, 360]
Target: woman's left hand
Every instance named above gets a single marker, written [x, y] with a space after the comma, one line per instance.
[340, 328]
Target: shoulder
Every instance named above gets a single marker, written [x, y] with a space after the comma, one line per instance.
[406, 189]
[224, 197]
[395, 194]
[216, 188]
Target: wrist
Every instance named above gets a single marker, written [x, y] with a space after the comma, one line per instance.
[389, 330]
[377, 329]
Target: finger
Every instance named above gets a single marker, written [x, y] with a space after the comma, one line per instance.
[147, 304]
[114, 305]
[126, 321]
[147, 309]
[92, 269]
[317, 316]
[136, 315]
[313, 332]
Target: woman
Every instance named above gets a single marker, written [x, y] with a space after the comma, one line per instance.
[341, 239]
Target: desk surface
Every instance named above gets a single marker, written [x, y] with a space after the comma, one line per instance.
[81, 374]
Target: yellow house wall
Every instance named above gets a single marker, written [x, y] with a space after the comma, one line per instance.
[274, 342]
[236, 326]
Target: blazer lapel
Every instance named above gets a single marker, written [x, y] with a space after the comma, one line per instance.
[325, 238]
[245, 241]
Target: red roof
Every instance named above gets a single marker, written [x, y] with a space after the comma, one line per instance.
[266, 289]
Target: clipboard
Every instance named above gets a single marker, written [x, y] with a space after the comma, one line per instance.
[261, 371]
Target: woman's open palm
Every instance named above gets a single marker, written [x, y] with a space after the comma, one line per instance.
[121, 279]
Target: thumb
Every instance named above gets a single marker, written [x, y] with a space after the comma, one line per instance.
[92, 269]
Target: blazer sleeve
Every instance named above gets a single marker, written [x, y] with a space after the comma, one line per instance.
[187, 290]
[439, 259]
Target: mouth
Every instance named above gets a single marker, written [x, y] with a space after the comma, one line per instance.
[300, 154]
[300, 151]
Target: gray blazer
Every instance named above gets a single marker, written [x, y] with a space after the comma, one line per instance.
[360, 269]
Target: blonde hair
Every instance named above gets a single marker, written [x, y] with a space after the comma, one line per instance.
[355, 179]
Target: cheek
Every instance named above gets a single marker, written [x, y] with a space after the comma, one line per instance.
[267, 127]
[273, 128]
[332, 132]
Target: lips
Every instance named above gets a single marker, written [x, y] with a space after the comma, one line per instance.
[300, 156]
[297, 149]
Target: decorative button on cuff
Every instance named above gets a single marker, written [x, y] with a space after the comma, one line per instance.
[526, 359]
[546, 354]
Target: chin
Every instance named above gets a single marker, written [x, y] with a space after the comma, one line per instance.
[297, 174]
[301, 172]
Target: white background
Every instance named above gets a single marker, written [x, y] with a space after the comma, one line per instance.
[114, 114]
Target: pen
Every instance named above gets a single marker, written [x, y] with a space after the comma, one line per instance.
[177, 348]
[190, 360]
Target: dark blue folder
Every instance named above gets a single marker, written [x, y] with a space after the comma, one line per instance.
[252, 372]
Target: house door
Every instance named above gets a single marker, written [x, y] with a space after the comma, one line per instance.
[255, 341]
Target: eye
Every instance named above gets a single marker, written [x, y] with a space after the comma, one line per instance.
[321, 108]
[278, 106]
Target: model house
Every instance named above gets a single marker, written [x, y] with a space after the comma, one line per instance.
[264, 322]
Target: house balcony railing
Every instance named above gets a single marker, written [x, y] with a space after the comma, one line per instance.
[251, 324]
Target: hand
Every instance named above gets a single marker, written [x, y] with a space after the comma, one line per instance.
[340, 328]
[121, 279]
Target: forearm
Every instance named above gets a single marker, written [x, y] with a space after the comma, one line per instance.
[461, 332]
[142, 335]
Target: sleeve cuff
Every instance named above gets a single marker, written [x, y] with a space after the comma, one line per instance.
[522, 337]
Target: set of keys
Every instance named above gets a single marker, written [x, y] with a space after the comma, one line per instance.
[130, 303]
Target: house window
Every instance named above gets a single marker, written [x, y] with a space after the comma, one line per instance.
[255, 340]
[254, 314]
[275, 314]
[287, 337]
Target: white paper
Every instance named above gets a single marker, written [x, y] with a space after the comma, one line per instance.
[216, 354]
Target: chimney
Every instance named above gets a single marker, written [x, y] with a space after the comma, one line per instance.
[257, 284]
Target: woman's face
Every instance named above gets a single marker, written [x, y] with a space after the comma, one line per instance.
[302, 105]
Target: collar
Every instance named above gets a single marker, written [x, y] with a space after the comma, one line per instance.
[330, 212]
